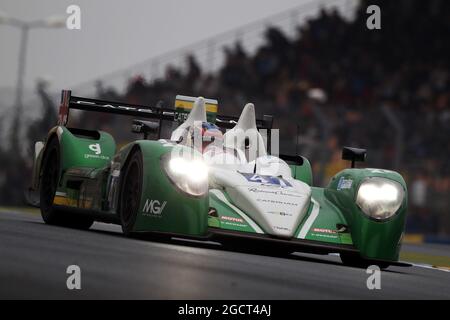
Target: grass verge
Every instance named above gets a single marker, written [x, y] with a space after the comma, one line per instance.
[435, 261]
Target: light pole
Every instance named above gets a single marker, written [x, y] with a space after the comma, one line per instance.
[25, 27]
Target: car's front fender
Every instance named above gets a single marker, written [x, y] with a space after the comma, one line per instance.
[374, 239]
[164, 207]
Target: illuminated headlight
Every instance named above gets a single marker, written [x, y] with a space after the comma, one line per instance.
[380, 198]
[190, 175]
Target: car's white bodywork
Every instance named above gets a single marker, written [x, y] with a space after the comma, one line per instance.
[259, 185]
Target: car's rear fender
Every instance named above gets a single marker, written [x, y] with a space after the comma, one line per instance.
[94, 149]
[82, 148]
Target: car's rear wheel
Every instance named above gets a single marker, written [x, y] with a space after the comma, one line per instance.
[130, 192]
[355, 260]
[48, 186]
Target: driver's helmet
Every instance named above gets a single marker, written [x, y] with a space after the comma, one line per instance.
[207, 134]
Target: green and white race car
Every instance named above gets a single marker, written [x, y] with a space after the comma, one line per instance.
[203, 184]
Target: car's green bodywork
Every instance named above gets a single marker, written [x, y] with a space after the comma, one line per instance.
[86, 182]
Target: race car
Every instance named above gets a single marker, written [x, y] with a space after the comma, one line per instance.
[201, 183]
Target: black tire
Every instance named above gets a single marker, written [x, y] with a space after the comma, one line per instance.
[49, 183]
[130, 192]
[354, 260]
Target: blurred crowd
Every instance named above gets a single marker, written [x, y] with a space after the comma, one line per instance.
[337, 84]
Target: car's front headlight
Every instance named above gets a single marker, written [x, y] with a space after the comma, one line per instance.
[380, 198]
[188, 174]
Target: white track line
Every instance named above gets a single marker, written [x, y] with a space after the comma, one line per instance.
[428, 266]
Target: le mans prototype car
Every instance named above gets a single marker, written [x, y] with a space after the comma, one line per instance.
[205, 185]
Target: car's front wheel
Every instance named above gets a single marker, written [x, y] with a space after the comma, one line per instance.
[130, 192]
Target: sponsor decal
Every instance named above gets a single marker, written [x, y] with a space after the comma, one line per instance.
[344, 184]
[95, 156]
[321, 235]
[324, 233]
[97, 149]
[276, 192]
[283, 214]
[266, 180]
[232, 219]
[153, 207]
[277, 202]
[321, 230]
[281, 228]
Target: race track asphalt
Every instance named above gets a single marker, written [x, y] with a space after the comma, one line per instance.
[34, 258]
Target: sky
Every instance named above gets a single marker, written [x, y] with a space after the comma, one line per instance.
[117, 34]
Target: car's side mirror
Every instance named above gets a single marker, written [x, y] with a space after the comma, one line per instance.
[354, 154]
[144, 127]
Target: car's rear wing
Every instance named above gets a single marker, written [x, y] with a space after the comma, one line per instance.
[69, 102]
